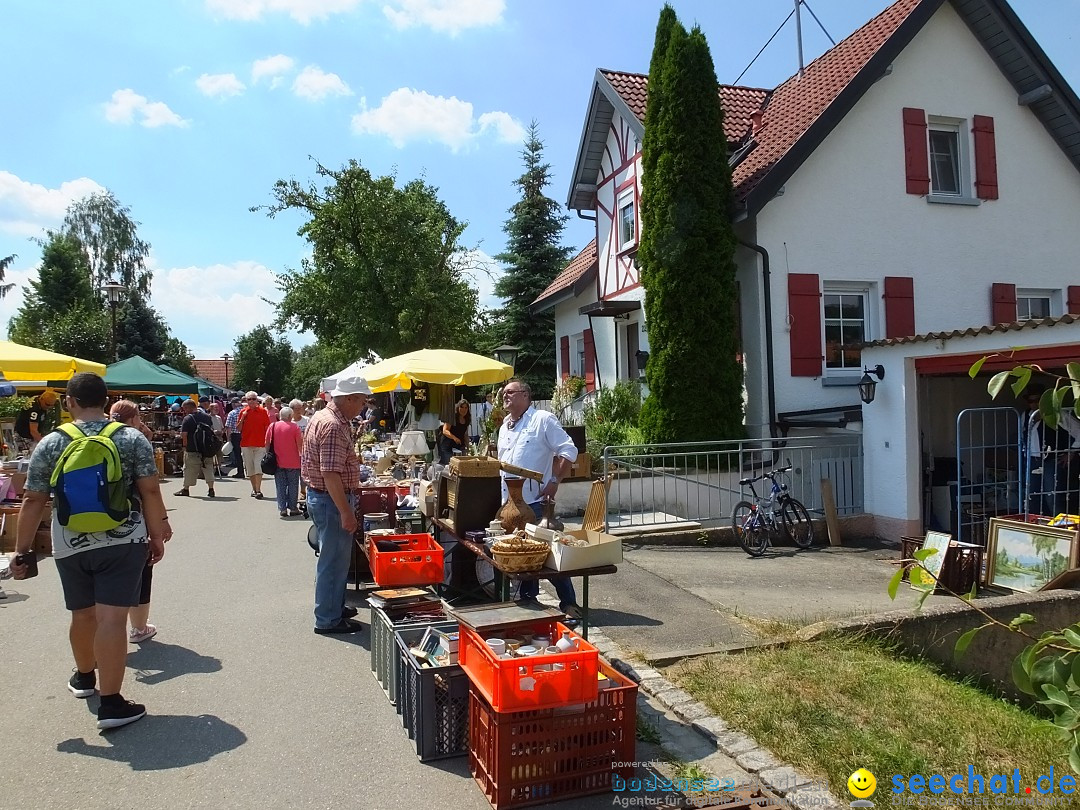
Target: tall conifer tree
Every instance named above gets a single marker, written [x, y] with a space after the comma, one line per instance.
[534, 256]
[687, 256]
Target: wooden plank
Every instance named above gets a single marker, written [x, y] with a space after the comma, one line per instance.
[829, 503]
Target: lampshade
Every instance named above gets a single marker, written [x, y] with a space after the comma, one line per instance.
[412, 443]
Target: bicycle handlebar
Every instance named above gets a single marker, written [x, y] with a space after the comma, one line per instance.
[770, 475]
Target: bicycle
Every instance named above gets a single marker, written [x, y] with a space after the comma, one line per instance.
[755, 522]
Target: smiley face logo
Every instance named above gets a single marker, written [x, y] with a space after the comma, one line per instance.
[862, 784]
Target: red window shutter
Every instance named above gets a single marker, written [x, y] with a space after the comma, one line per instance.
[916, 151]
[804, 308]
[590, 361]
[1003, 298]
[986, 182]
[1073, 302]
[564, 355]
[899, 306]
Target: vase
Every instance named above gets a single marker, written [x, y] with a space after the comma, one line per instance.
[548, 519]
[515, 513]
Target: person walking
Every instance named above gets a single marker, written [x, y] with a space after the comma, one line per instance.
[253, 422]
[536, 441]
[287, 442]
[194, 461]
[127, 412]
[329, 464]
[100, 571]
[233, 433]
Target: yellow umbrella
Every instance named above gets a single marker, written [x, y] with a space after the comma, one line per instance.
[439, 366]
[18, 362]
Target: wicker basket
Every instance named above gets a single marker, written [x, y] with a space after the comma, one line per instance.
[474, 467]
[520, 555]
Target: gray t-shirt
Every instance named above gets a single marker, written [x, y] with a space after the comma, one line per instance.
[136, 460]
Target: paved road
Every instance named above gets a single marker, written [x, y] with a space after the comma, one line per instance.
[247, 707]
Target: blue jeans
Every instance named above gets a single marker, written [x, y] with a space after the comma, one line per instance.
[287, 484]
[564, 586]
[335, 554]
[237, 456]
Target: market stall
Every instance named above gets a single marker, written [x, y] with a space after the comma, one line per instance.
[18, 362]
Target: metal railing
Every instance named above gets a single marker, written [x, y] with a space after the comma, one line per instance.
[697, 484]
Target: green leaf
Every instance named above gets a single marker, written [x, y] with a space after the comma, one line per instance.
[1076, 670]
[1020, 675]
[1055, 696]
[1023, 377]
[964, 641]
[974, 590]
[1074, 753]
[894, 582]
[1023, 618]
[917, 577]
[997, 383]
[1049, 409]
[1072, 637]
[926, 594]
[976, 367]
[923, 553]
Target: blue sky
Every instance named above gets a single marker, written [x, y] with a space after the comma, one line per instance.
[189, 110]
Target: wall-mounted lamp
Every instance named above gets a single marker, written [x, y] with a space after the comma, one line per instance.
[642, 358]
[867, 386]
[506, 354]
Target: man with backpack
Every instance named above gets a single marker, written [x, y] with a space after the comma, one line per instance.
[108, 521]
[201, 446]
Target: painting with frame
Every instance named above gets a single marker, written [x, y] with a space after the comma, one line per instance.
[1025, 557]
[935, 563]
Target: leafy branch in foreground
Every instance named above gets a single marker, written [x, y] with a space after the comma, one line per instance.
[1052, 400]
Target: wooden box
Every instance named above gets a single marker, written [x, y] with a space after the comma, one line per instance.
[582, 468]
[469, 504]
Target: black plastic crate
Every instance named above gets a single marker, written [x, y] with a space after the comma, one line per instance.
[434, 702]
[384, 657]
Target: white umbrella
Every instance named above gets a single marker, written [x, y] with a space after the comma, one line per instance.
[352, 370]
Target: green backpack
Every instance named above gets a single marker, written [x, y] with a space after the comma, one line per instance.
[91, 492]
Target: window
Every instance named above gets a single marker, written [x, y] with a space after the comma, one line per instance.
[1032, 304]
[579, 357]
[627, 221]
[950, 171]
[845, 328]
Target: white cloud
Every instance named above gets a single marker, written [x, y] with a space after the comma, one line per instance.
[451, 16]
[19, 274]
[28, 208]
[219, 84]
[303, 11]
[272, 68]
[482, 271]
[126, 104]
[315, 85]
[407, 115]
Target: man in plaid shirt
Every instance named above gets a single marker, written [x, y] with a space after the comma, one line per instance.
[234, 437]
[329, 465]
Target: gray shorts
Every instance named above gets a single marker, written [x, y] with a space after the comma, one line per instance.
[103, 576]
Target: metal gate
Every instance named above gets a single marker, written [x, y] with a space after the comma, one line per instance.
[990, 479]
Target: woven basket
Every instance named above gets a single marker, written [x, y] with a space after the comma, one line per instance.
[475, 467]
[520, 555]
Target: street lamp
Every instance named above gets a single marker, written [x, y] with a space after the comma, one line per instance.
[226, 358]
[113, 291]
[506, 354]
[258, 385]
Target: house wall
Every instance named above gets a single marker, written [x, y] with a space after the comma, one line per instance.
[569, 322]
[845, 215]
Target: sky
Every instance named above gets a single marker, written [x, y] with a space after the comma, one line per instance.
[189, 110]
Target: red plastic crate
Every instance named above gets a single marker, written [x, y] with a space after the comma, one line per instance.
[536, 757]
[521, 684]
[419, 561]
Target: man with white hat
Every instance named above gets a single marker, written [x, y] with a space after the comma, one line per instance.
[329, 465]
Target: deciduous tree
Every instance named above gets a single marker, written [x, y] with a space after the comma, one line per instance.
[110, 240]
[260, 356]
[177, 355]
[311, 364]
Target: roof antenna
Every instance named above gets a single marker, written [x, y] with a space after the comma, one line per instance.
[798, 35]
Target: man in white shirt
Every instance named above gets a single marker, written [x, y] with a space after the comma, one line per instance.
[536, 441]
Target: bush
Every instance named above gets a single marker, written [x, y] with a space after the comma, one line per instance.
[611, 418]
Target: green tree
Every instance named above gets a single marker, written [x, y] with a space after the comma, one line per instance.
[141, 331]
[5, 263]
[260, 356]
[311, 364]
[62, 287]
[387, 270]
[687, 255]
[178, 355]
[533, 257]
[84, 331]
[110, 241]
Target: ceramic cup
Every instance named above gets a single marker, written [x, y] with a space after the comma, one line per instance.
[540, 642]
[555, 651]
[525, 650]
[498, 646]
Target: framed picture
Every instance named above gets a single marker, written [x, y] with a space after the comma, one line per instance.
[1026, 556]
[935, 563]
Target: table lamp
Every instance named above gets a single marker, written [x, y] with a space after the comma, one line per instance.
[412, 444]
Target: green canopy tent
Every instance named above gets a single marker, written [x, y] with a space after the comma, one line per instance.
[137, 375]
[205, 387]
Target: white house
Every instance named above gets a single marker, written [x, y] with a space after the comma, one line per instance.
[919, 177]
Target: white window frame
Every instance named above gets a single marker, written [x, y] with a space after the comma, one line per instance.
[958, 127]
[865, 291]
[626, 199]
[577, 359]
[1053, 297]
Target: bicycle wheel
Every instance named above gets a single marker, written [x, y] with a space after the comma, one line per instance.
[746, 523]
[797, 524]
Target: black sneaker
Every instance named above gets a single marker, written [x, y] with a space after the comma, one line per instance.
[83, 685]
[349, 612]
[114, 715]
[343, 626]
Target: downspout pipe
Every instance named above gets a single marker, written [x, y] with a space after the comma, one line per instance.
[770, 369]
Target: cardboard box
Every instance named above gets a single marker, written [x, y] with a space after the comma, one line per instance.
[603, 549]
[9, 527]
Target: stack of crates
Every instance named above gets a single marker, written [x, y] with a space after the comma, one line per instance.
[433, 701]
[384, 649]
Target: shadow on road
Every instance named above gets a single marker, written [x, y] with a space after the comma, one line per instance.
[155, 662]
[602, 617]
[162, 742]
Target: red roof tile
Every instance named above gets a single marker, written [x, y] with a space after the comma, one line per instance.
[788, 111]
[214, 371]
[574, 270]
